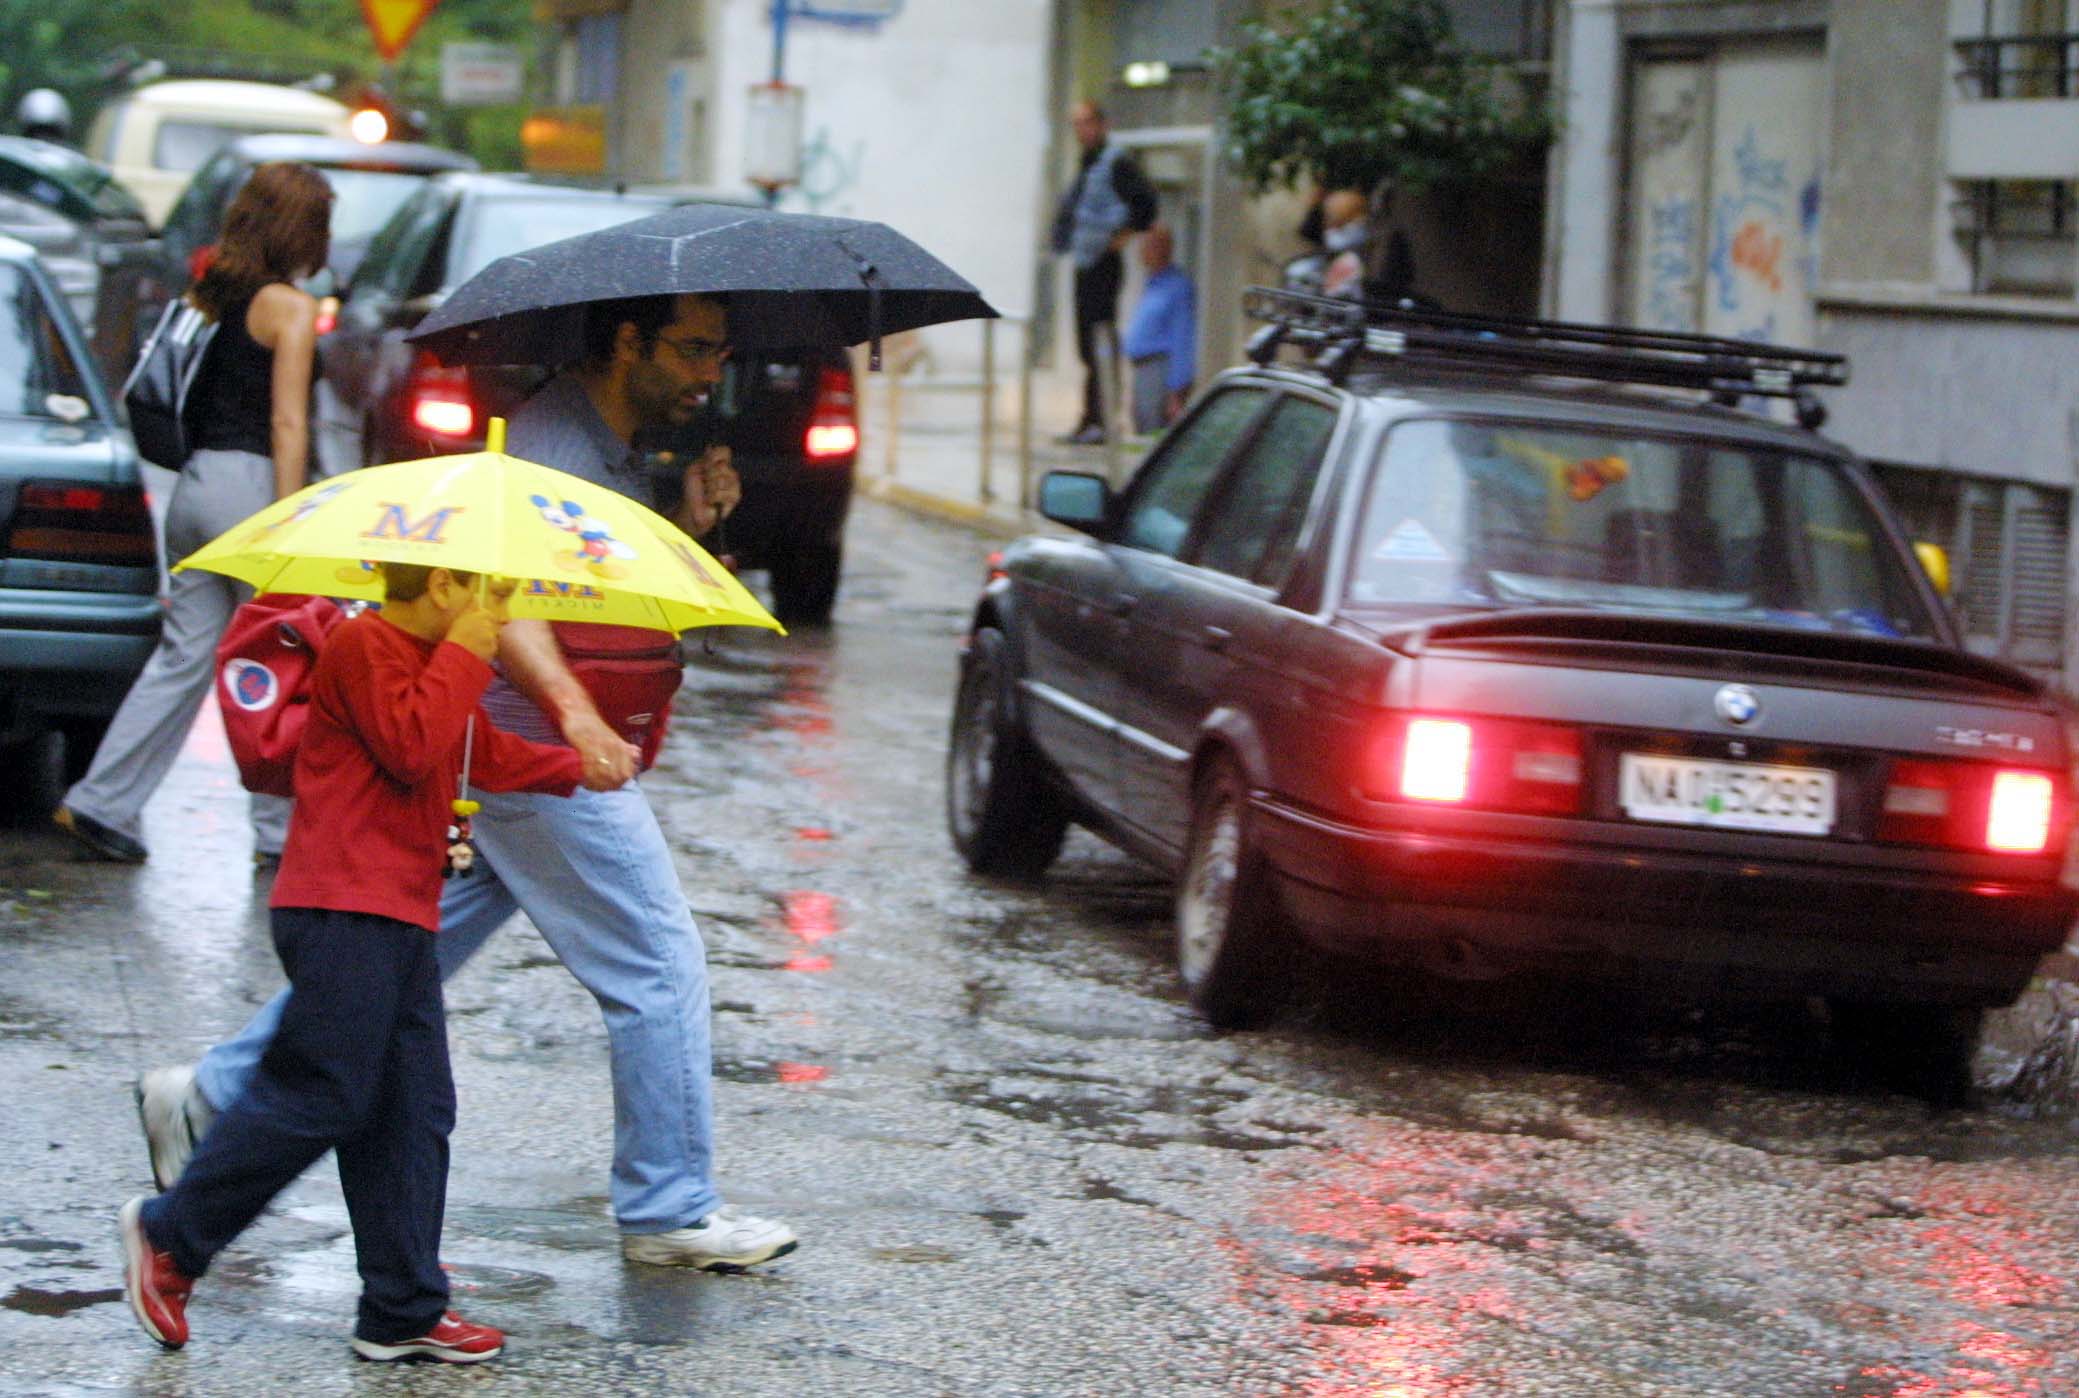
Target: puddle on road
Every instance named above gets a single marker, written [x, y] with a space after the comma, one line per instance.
[583, 1227]
[1117, 1113]
[53, 1304]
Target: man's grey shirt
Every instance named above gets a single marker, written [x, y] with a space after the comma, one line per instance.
[559, 427]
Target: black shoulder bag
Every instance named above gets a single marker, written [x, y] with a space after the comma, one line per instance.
[156, 394]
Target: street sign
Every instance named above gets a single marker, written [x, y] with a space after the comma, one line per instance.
[772, 135]
[481, 75]
[393, 22]
[847, 11]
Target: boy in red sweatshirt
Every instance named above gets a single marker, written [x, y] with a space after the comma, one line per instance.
[360, 1065]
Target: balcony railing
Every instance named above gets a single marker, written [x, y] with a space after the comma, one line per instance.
[2019, 66]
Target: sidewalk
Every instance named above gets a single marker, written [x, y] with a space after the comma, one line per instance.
[923, 445]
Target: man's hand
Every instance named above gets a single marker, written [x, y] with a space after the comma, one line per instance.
[602, 774]
[609, 761]
[476, 631]
[709, 491]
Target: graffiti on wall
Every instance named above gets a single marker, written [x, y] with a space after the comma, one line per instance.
[1752, 225]
[828, 174]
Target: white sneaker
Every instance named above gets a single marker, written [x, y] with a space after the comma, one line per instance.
[724, 1241]
[175, 1115]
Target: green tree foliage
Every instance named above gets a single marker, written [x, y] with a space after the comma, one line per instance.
[1355, 92]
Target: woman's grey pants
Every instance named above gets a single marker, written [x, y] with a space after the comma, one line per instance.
[216, 490]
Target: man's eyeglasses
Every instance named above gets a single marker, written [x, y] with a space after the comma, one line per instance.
[697, 351]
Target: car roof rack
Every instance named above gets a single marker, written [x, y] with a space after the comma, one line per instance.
[1344, 333]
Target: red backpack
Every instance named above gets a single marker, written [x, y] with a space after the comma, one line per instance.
[263, 683]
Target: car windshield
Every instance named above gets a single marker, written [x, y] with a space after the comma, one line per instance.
[514, 223]
[1484, 515]
[363, 200]
[38, 377]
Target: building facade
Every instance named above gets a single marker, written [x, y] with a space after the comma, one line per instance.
[1892, 179]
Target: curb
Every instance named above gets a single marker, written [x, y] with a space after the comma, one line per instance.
[994, 521]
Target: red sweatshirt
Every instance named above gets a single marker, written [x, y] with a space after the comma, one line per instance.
[377, 768]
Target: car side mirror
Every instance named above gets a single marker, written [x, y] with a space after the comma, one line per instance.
[1076, 499]
[1934, 560]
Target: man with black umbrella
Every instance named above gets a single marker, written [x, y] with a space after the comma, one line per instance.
[596, 877]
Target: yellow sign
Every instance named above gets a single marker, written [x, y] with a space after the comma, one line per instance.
[393, 22]
[565, 140]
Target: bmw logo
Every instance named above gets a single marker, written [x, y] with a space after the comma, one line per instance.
[1736, 704]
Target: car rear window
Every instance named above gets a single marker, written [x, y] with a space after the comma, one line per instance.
[363, 200]
[1483, 514]
[35, 366]
[502, 224]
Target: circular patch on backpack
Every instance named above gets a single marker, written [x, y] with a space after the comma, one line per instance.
[251, 685]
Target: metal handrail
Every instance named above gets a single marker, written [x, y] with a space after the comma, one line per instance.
[1990, 74]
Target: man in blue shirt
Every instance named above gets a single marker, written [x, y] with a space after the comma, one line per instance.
[1162, 337]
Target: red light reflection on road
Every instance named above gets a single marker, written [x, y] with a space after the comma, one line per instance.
[810, 916]
[813, 833]
[800, 1072]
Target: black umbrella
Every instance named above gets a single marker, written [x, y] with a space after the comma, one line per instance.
[790, 281]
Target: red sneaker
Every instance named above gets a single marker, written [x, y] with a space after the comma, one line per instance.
[453, 1341]
[156, 1289]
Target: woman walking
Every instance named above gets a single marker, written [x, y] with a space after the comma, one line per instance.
[248, 417]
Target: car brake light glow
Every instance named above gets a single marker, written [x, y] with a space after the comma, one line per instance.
[833, 421]
[2019, 821]
[827, 440]
[443, 417]
[1436, 761]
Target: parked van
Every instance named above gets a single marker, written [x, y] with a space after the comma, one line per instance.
[156, 137]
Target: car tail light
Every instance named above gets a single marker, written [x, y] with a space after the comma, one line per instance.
[1436, 760]
[82, 524]
[328, 315]
[1484, 763]
[439, 400]
[1971, 805]
[2023, 805]
[833, 422]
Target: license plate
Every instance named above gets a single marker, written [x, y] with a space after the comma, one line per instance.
[1727, 795]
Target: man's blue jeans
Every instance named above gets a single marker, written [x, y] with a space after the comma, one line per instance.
[593, 872]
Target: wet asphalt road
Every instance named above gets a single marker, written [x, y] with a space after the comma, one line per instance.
[1019, 1165]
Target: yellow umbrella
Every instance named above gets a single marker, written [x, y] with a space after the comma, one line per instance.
[581, 552]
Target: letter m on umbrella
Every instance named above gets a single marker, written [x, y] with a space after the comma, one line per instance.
[394, 523]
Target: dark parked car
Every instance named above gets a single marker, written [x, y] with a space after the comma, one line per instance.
[1436, 650]
[788, 418]
[79, 609]
[91, 234]
[369, 183]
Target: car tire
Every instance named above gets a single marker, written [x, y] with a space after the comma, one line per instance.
[1233, 953]
[82, 740]
[1005, 816]
[804, 584]
[1926, 1050]
[37, 764]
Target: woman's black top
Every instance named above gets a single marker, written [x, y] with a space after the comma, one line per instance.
[230, 407]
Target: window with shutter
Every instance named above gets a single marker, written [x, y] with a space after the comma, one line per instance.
[2008, 552]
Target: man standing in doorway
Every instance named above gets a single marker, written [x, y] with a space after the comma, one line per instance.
[595, 876]
[1108, 202]
[1162, 336]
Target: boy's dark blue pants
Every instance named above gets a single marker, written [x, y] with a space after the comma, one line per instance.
[360, 1065]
